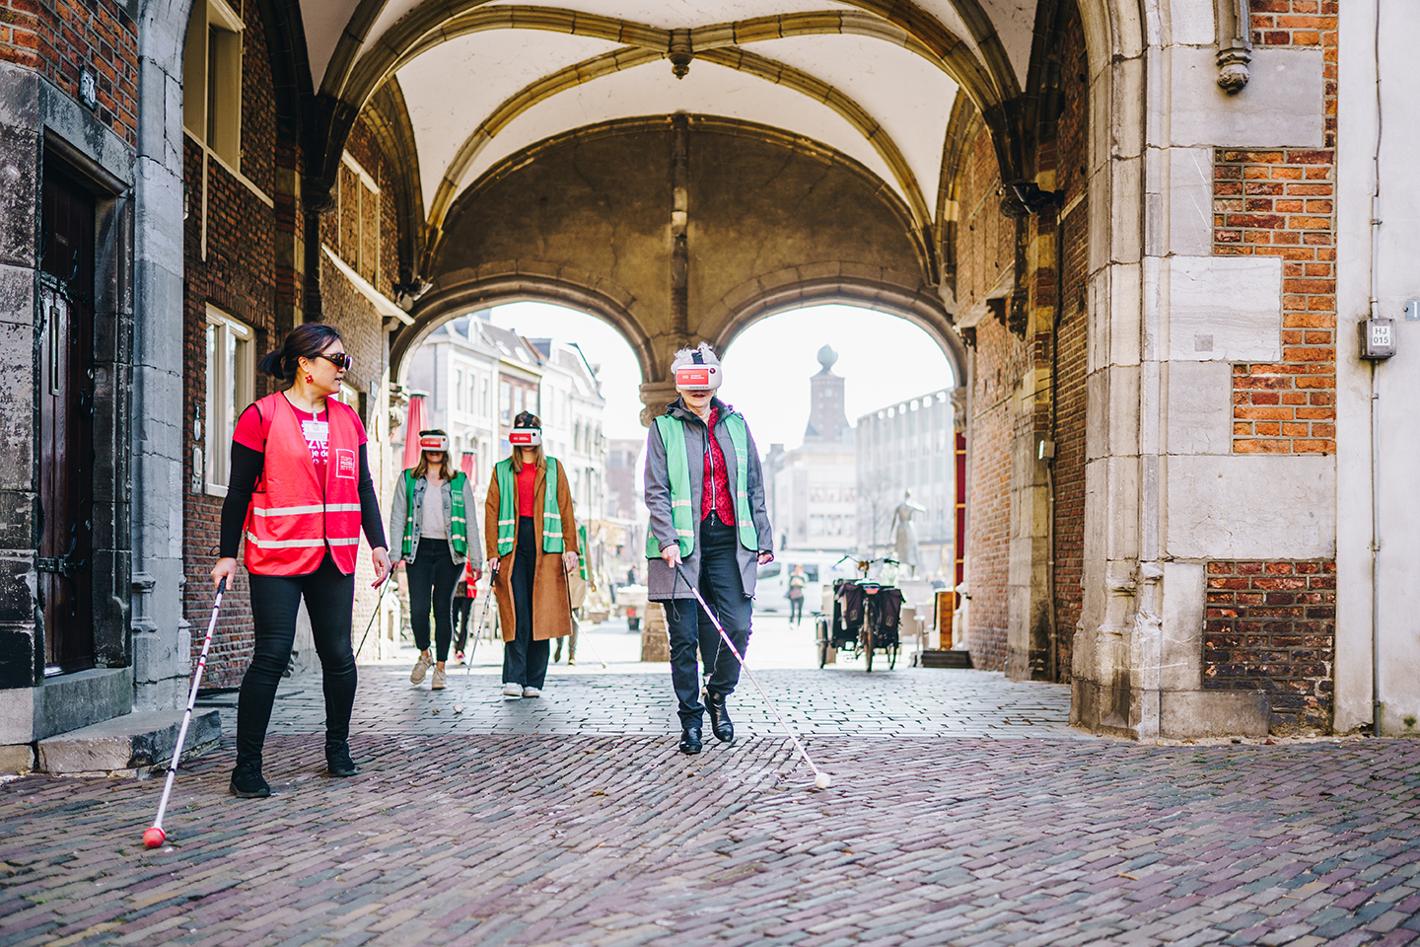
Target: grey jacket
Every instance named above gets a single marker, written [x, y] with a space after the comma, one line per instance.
[399, 508]
[661, 581]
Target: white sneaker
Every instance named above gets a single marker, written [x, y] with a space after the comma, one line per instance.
[532, 692]
[420, 667]
[512, 690]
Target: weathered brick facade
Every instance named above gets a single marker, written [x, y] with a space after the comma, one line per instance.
[62, 38]
[1281, 202]
[236, 265]
[1070, 347]
[1271, 626]
[229, 242]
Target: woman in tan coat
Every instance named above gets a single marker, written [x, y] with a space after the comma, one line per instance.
[532, 542]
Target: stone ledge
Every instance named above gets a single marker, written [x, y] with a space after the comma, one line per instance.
[18, 758]
[65, 702]
[131, 742]
[1191, 714]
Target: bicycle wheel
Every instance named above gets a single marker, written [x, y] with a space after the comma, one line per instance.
[822, 644]
[868, 645]
[892, 657]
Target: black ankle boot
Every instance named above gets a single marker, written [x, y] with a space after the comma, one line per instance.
[247, 782]
[690, 738]
[337, 759]
[720, 723]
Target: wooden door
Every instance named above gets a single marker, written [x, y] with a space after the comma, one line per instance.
[66, 416]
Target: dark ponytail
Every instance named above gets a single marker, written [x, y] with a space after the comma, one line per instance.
[307, 340]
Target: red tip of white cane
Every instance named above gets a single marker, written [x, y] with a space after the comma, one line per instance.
[154, 837]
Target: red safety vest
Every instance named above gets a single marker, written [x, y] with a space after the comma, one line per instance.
[293, 517]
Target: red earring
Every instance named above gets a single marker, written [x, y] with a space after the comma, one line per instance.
[309, 379]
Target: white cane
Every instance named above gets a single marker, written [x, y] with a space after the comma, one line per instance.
[482, 613]
[821, 779]
[154, 836]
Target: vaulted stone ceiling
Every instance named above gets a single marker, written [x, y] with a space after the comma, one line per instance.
[873, 80]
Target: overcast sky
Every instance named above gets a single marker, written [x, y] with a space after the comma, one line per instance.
[883, 358]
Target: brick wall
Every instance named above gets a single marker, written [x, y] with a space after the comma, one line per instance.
[1281, 202]
[61, 38]
[1071, 343]
[1271, 626]
[986, 255]
[238, 276]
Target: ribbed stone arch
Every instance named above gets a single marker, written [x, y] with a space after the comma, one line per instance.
[497, 283]
[991, 85]
[922, 309]
[617, 60]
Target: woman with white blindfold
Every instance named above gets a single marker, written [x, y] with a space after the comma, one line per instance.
[532, 542]
[709, 526]
[434, 518]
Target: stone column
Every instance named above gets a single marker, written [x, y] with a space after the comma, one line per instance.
[161, 640]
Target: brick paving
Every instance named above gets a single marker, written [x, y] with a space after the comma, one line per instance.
[976, 818]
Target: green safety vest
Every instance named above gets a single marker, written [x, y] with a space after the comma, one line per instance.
[508, 508]
[458, 522]
[678, 467]
[582, 550]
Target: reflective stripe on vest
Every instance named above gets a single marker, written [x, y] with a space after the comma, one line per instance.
[552, 540]
[458, 522]
[294, 518]
[683, 513]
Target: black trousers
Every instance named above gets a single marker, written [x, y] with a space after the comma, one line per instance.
[689, 628]
[796, 609]
[525, 660]
[463, 604]
[275, 600]
[432, 577]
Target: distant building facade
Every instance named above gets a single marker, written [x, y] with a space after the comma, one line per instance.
[811, 490]
[909, 446]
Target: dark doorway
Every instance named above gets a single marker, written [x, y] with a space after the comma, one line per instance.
[66, 421]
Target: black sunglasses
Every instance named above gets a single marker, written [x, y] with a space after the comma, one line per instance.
[341, 360]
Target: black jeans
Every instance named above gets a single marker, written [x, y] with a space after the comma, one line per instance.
[689, 628]
[275, 600]
[525, 660]
[433, 572]
[462, 606]
[796, 609]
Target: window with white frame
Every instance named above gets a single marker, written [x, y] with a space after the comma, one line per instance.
[231, 380]
[212, 79]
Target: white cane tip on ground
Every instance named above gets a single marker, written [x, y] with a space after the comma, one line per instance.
[823, 780]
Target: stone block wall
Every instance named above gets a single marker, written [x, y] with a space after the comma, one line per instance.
[1271, 626]
[61, 38]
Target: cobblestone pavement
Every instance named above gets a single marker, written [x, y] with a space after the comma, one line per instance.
[976, 817]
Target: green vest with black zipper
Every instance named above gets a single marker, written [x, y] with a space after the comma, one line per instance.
[458, 521]
[683, 514]
[552, 540]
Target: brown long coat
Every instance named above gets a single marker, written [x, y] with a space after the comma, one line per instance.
[552, 618]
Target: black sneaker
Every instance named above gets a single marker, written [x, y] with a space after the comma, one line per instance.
[690, 738]
[720, 723]
[247, 782]
[337, 759]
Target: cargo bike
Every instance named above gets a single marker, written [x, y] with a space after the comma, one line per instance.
[866, 616]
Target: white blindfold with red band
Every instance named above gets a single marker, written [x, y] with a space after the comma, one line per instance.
[434, 442]
[525, 437]
[698, 377]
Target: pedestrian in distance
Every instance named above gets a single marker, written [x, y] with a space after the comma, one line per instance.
[300, 491]
[708, 524]
[434, 516]
[532, 541]
[464, 594]
[797, 582]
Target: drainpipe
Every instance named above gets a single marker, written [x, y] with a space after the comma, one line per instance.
[1373, 309]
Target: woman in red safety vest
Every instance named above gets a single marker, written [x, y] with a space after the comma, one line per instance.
[300, 492]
